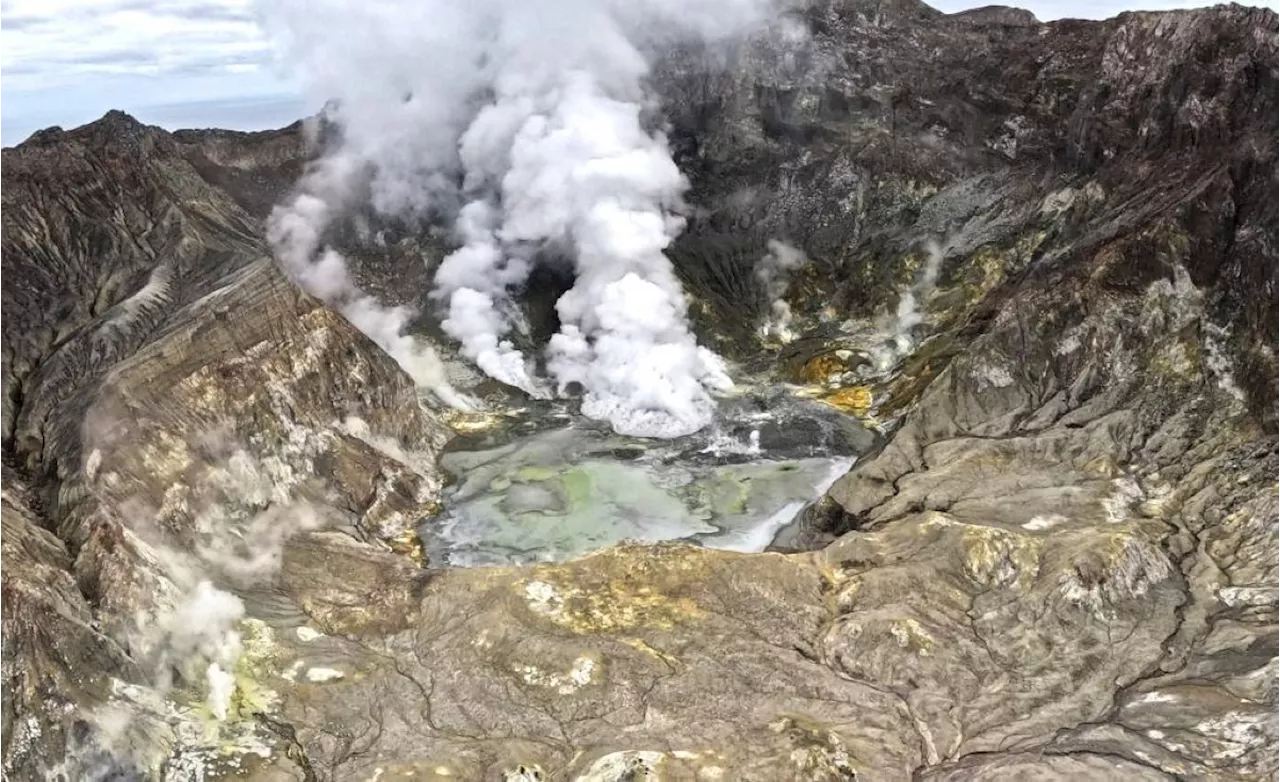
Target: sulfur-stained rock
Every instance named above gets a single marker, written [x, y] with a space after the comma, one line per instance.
[704, 655]
[941, 612]
[856, 400]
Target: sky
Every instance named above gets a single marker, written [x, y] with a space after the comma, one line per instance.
[206, 63]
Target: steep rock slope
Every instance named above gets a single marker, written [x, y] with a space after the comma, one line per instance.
[1004, 140]
[1089, 426]
[1061, 564]
[1093, 419]
[174, 409]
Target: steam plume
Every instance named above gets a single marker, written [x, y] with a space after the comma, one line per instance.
[901, 340]
[773, 271]
[296, 230]
[532, 119]
[190, 634]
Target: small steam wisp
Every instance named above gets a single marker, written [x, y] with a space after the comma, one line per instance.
[901, 340]
[773, 272]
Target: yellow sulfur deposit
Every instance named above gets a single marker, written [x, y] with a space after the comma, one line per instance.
[819, 368]
[408, 544]
[470, 423]
[855, 399]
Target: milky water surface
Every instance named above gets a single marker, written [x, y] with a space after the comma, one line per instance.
[558, 494]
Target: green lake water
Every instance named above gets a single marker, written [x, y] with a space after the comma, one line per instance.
[564, 493]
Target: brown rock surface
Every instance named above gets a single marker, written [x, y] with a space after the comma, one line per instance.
[1060, 564]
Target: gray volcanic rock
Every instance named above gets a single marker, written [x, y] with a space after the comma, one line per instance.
[189, 406]
[892, 124]
[55, 659]
[1060, 563]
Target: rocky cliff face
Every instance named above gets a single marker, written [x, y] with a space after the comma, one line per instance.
[1060, 563]
[170, 393]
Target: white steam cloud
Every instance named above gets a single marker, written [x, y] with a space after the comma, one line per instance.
[773, 271]
[296, 231]
[192, 635]
[901, 339]
[531, 121]
[194, 632]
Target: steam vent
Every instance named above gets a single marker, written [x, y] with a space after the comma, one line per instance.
[602, 391]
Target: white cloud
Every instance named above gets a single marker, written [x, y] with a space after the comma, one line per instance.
[175, 62]
[51, 43]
